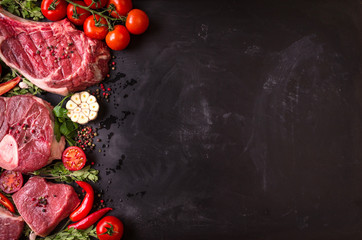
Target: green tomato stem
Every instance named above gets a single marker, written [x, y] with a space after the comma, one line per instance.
[100, 13]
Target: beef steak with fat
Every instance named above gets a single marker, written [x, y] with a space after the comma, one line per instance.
[43, 204]
[55, 56]
[27, 141]
[11, 226]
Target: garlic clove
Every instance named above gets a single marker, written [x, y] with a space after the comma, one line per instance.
[75, 117]
[76, 98]
[70, 114]
[86, 111]
[91, 99]
[92, 115]
[77, 110]
[84, 105]
[83, 119]
[84, 96]
[94, 107]
[70, 105]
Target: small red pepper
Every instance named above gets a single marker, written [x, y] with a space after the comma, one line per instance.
[90, 219]
[7, 86]
[6, 202]
[86, 205]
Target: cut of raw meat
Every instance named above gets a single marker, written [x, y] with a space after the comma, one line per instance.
[27, 141]
[43, 204]
[55, 56]
[11, 226]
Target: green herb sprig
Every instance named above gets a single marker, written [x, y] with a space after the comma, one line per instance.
[32, 89]
[23, 8]
[59, 173]
[72, 234]
[63, 125]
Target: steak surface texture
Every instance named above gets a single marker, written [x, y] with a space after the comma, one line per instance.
[44, 204]
[27, 141]
[11, 226]
[55, 56]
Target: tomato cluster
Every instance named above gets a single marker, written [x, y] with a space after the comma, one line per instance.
[112, 20]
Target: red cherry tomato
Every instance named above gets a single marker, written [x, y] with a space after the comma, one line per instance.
[109, 228]
[137, 21]
[74, 158]
[77, 15]
[97, 3]
[96, 30]
[118, 39]
[11, 181]
[54, 10]
[122, 7]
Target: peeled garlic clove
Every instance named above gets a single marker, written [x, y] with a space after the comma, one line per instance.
[85, 111]
[84, 105]
[94, 107]
[69, 114]
[92, 115]
[70, 105]
[75, 117]
[77, 110]
[91, 99]
[84, 96]
[76, 98]
[83, 119]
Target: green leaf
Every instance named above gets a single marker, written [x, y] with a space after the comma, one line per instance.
[25, 8]
[72, 233]
[59, 111]
[59, 173]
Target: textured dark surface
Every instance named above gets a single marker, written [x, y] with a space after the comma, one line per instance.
[235, 120]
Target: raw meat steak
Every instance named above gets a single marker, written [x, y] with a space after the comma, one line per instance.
[11, 226]
[43, 204]
[27, 141]
[55, 56]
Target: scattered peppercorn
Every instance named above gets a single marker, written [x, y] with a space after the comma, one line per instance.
[85, 137]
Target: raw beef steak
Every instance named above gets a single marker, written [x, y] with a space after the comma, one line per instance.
[27, 141]
[11, 226]
[55, 56]
[43, 204]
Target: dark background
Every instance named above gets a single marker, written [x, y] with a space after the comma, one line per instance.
[237, 120]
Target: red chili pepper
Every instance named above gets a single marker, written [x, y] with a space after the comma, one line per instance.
[86, 205]
[7, 86]
[6, 202]
[90, 219]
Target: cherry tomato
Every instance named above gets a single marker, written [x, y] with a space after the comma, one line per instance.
[95, 30]
[11, 181]
[137, 21]
[97, 3]
[109, 228]
[54, 10]
[122, 7]
[74, 158]
[77, 15]
[119, 38]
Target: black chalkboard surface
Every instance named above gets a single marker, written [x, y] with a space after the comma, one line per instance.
[236, 120]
